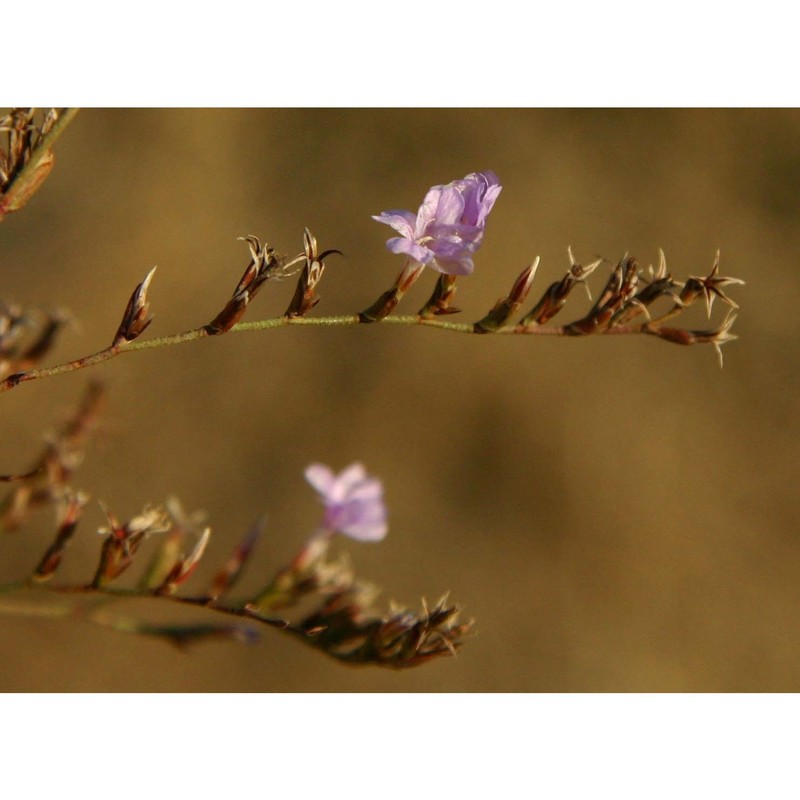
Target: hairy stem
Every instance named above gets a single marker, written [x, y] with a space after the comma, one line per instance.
[347, 320]
[198, 333]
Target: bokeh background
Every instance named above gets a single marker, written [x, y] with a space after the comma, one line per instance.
[617, 514]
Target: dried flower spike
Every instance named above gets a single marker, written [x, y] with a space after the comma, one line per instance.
[400, 639]
[336, 611]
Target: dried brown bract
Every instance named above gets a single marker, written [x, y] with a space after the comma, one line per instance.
[507, 306]
[305, 296]
[135, 319]
[264, 264]
[72, 506]
[123, 540]
[390, 299]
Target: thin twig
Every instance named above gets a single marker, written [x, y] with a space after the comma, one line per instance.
[121, 593]
[198, 333]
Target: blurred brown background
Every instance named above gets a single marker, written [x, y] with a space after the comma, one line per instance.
[616, 513]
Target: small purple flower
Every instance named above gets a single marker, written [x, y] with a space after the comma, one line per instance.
[449, 225]
[353, 502]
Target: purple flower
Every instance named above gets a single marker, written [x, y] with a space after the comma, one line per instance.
[449, 225]
[353, 501]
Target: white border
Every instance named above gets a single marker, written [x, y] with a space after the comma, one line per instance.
[400, 746]
[410, 54]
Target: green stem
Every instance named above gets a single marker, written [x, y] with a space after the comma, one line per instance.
[348, 320]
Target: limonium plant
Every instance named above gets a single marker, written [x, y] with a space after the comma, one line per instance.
[316, 597]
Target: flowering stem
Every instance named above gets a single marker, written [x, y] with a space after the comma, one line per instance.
[107, 592]
[347, 320]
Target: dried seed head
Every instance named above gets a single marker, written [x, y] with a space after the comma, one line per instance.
[269, 265]
[711, 286]
[555, 296]
[345, 629]
[123, 540]
[579, 272]
[264, 265]
[305, 296]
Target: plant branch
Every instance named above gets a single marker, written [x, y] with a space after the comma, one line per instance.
[343, 321]
[348, 320]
